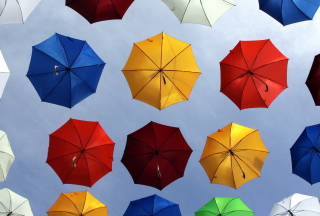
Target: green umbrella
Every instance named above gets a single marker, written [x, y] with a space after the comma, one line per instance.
[223, 206]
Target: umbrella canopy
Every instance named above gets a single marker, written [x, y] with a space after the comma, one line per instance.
[233, 155]
[156, 155]
[152, 205]
[4, 74]
[289, 11]
[305, 155]
[223, 206]
[13, 204]
[253, 74]
[200, 12]
[16, 11]
[297, 205]
[6, 156]
[80, 152]
[313, 80]
[64, 70]
[77, 204]
[161, 71]
[96, 11]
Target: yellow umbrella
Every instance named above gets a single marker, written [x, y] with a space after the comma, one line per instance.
[161, 71]
[77, 204]
[233, 155]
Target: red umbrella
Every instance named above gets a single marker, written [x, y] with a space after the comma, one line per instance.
[100, 10]
[156, 155]
[313, 80]
[253, 74]
[80, 152]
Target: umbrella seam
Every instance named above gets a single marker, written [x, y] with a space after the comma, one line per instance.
[94, 210]
[185, 12]
[49, 56]
[205, 13]
[247, 165]
[20, 11]
[211, 179]
[84, 203]
[87, 169]
[94, 14]
[238, 143]
[95, 128]
[146, 55]
[258, 90]
[293, 168]
[26, 200]
[77, 133]
[165, 208]
[54, 87]
[100, 161]
[295, 206]
[48, 161]
[66, 141]
[135, 203]
[228, 204]
[155, 140]
[3, 7]
[70, 65]
[64, 50]
[72, 203]
[256, 57]
[244, 58]
[77, 214]
[243, 91]
[135, 181]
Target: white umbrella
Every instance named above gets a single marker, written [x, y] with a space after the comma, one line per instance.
[12, 204]
[4, 74]
[297, 205]
[16, 11]
[6, 156]
[204, 12]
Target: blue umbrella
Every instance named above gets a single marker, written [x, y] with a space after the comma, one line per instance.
[152, 205]
[64, 70]
[305, 154]
[290, 11]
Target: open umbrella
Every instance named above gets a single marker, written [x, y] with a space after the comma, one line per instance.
[161, 71]
[152, 205]
[77, 204]
[16, 11]
[313, 80]
[96, 11]
[253, 74]
[233, 155]
[297, 205]
[80, 152]
[224, 206]
[6, 156]
[200, 12]
[289, 11]
[4, 74]
[305, 154]
[12, 204]
[156, 155]
[64, 70]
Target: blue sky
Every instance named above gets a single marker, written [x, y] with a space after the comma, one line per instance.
[28, 121]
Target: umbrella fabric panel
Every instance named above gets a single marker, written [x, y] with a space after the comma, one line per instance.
[10, 202]
[6, 156]
[313, 80]
[4, 73]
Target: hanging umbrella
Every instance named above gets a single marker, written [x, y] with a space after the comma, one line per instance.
[12, 204]
[80, 152]
[297, 205]
[289, 11]
[233, 155]
[4, 74]
[200, 12]
[77, 204]
[156, 155]
[313, 80]
[64, 70]
[223, 206]
[253, 74]
[161, 71]
[96, 11]
[6, 156]
[16, 11]
[305, 155]
[152, 205]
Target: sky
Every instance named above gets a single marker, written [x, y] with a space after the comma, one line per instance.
[28, 121]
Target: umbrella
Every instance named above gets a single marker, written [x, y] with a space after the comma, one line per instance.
[80, 152]
[233, 155]
[152, 205]
[64, 70]
[16, 11]
[161, 71]
[313, 80]
[200, 12]
[253, 74]
[6, 156]
[297, 205]
[77, 204]
[13, 204]
[223, 206]
[4, 74]
[156, 155]
[305, 155]
[289, 11]
[96, 11]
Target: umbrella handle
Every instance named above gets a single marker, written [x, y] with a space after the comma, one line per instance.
[73, 163]
[164, 79]
[267, 88]
[158, 171]
[55, 70]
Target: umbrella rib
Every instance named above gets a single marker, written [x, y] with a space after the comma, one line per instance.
[91, 136]
[186, 71]
[99, 160]
[238, 143]
[249, 68]
[223, 152]
[310, 151]
[142, 142]
[137, 155]
[242, 93]
[20, 205]
[94, 209]
[48, 56]
[72, 203]
[133, 202]
[78, 53]
[95, 12]
[84, 203]
[256, 57]
[5, 207]
[78, 135]
[174, 131]
[142, 171]
[246, 164]
[219, 166]
[258, 90]
[72, 213]
[66, 141]
[3, 7]
[54, 87]
[237, 211]
[100, 145]
[62, 156]
[172, 165]
[294, 207]
[176, 56]
[185, 11]
[164, 209]
[175, 86]
[205, 13]
[20, 11]
[83, 81]
[146, 55]
[222, 212]
[88, 168]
